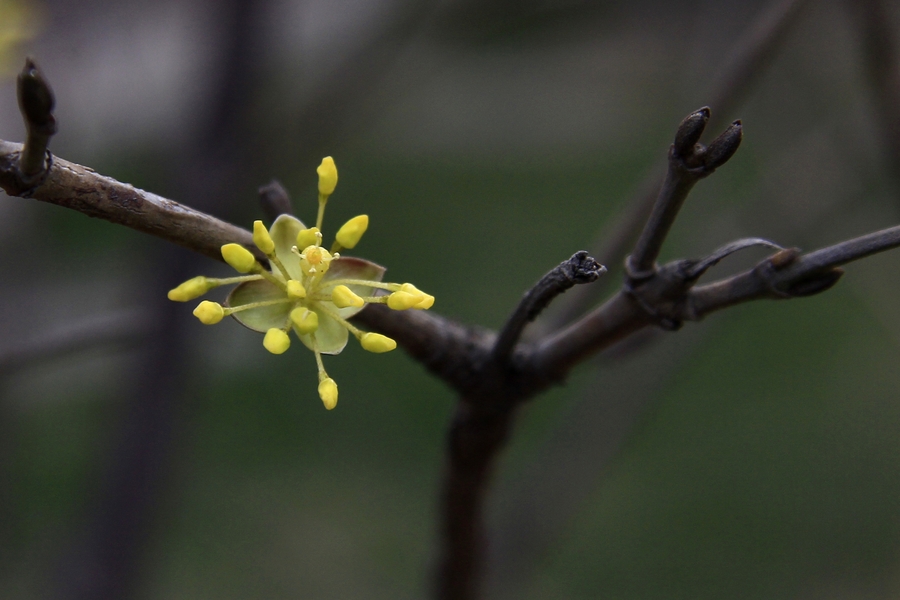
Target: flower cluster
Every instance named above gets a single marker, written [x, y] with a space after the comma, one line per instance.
[310, 290]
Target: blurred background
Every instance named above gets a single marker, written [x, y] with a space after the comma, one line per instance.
[755, 455]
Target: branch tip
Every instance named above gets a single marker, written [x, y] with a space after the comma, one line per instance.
[36, 100]
[579, 269]
[722, 148]
[690, 130]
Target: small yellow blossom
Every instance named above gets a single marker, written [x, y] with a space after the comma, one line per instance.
[352, 231]
[328, 392]
[403, 300]
[262, 239]
[342, 296]
[377, 343]
[305, 321]
[295, 289]
[308, 237]
[276, 341]
[307, 289]
[209, 313]
[328, 176]
[192, 288]
[238, 257]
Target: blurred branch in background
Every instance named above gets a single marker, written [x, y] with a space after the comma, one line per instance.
[105, 561]
[877, 36]
[123, 328]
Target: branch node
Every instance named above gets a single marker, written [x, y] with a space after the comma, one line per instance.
[655, 316]
[27, 187]
[767, 270]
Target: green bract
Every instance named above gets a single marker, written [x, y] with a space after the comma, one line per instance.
[331, 336]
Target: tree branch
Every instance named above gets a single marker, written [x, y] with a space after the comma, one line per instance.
[496, 373]
[82, 189]
[750, 56]
[689, 162]
[579, 269]
[785, 274]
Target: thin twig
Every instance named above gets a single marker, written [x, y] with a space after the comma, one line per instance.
[749, 58]
[783, 275]
[689, 162]
[578, 269]
[82, 189]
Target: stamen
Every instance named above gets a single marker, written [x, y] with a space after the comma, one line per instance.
[284, 273]
[328, 391]
[355, 331]
[391, 287]
[271, 278]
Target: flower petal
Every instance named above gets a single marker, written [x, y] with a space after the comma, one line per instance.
[284, 233]
[349, 267]
[331, 336]
[265, 317]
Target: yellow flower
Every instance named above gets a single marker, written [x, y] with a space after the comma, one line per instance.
[307, 289]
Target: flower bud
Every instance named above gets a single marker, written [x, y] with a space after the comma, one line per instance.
[209, 313]
[403, 300]
[262, 239]
[352, 231]
[295, 290]
[190, 289]
[328, 392]
[328, 176]
[241, 259]
[308, 237]
[377, 343]
[305, 320]
[276, 341]
[426, 300]
[343, 297]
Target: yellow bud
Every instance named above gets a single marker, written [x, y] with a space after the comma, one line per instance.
[403, 300]
[305, 320]
[426, 300]
[342, 296]
[241, 259]
[308, 237]
[425, 303]
[328, 176]
[352, 231]
[262, 239]
[328, 392]
[192, 288]
[295, 290]
[377, 343]
[276, 341]
[209, 313]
